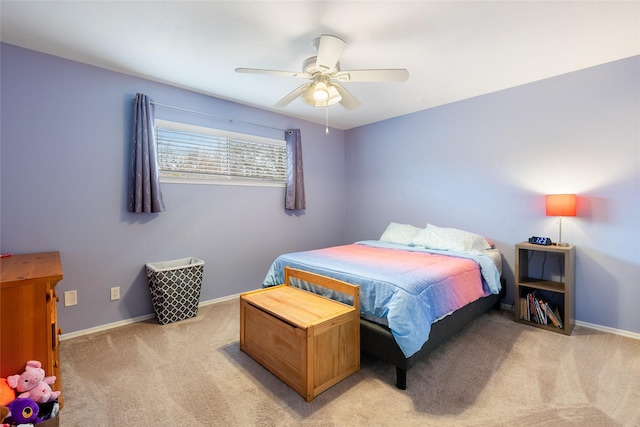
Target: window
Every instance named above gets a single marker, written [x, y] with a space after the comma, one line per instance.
[195, 154]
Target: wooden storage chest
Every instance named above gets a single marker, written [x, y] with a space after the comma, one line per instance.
[308, 341]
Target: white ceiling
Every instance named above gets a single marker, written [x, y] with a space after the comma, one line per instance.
[453, 49]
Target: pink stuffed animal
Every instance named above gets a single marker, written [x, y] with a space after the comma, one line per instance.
[33, 384]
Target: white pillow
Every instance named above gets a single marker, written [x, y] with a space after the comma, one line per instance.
[450, 239]
[401, 234]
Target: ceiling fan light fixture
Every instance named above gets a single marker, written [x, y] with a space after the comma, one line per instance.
[321, 94]
[334, 95]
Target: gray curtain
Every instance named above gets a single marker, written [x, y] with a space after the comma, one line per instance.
[294, 197]
[144, 181]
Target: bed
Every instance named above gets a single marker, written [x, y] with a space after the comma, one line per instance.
[418, 287]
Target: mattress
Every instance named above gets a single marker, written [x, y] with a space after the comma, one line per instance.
[406, 288]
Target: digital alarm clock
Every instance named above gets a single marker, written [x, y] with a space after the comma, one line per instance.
[544, 241]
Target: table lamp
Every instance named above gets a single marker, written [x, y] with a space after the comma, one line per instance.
[561, 205]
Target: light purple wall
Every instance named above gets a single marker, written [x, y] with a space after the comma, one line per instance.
[482, 164]
[485, 164]
[64, 162]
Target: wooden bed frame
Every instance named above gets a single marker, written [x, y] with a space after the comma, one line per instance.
[378, 341]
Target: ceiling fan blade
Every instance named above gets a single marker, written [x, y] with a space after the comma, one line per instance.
[384, 75]
[348, 101]
[273, 72]
[329, 50]
[291, 96]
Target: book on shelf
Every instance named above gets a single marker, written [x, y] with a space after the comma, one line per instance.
[552, 316]
[536, 309]
[557, 315]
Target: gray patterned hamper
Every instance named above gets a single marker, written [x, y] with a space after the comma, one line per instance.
[175, 288]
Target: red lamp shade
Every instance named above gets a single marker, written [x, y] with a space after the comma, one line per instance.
[561, 205]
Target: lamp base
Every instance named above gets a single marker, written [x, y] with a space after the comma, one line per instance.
[562, 244]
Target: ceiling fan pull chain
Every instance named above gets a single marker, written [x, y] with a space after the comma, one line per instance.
[326, 129]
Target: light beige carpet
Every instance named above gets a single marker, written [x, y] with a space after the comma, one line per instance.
[495, 373]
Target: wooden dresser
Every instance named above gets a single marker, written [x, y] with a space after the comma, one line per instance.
[29, 324]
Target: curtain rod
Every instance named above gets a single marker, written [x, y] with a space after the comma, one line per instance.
[231, 121]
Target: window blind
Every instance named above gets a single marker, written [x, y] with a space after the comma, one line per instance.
[198, 153]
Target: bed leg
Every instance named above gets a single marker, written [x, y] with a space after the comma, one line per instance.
[401, 378]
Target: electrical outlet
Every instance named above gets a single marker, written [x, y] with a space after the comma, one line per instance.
[115, 293]
[70, 298]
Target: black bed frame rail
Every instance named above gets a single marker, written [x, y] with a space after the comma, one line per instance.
[378, 341]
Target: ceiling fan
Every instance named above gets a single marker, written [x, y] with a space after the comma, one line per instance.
[324, 71]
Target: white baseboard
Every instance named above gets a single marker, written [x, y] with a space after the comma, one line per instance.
[230, 297]
[134, 320]
[608, 329]
[217, 300]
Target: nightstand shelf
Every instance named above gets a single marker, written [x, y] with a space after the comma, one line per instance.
[545, 295]
[547, 285]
